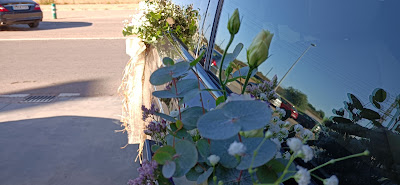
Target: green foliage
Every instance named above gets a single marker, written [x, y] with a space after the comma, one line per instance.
[161, 16]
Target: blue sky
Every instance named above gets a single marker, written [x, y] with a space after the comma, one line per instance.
[355, 53]
[357, 44]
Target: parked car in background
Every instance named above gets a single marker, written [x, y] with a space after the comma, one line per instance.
[290, 109]
[20, 12]
[276, 102]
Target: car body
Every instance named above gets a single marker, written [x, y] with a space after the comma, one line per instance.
[289, 109]
[276, 102]
[20, 12]
[327, 72]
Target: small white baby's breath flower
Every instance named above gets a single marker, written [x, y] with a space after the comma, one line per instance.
[263, 96]
[280, 123]
[307, 153]
[236, 148]
[333, 180]
[193, 132]
[286, 155]
[302, 176]
[274, 128]
[287, 124]
[294, 144]
[275, 119]
[214, 159]
[306, 134]
[298, 128]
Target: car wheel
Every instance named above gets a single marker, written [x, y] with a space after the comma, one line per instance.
[33, 25]
[287, 115]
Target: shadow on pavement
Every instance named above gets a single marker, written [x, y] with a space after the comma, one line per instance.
[65, 150]
[45, 25]
[85, 88]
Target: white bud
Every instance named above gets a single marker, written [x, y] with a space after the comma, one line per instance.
[294, 144]
[214, 159]
[236, 148]
[333, 180]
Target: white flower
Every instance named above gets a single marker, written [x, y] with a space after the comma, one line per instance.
[298, 128]
[333, 180]
[287, 124]
[307, 153]
[282, 112]
[302, 176]
[263, 96]
[274, 128]
[193, 132]
[275, 119]
[286, 155]
[268, 134]
[306, 134]
[284, 132]
[236, 148]
[294, 144]
[214, 159]
[280, 123]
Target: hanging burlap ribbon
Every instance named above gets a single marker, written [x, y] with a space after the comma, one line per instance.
[136, 89]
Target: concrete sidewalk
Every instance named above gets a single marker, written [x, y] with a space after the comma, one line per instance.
[69, 141]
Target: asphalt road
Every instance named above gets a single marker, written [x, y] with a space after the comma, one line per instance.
[70, 139]
[81, 52]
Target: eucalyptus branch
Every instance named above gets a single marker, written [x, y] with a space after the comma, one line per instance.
[221, 65]
[365, 153]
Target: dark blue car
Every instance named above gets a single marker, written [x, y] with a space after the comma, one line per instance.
[20, 12]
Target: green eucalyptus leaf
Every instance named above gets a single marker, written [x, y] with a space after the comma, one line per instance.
[166, 117]
[166, 74]
[230, 57]
[179, 124]
[183, 88]
[203, 177]
[162, 157]
[168, 169]
[186, 153]
[168, 61]
[203, 148]
[190, 117]
[291, 170]
[220, 148]
[154, 148]
[167, 149]
[369, 114]
[197, 60]
[379, 95]
[266, 175]
[341, 120]
[243, 72]
[266, 153]
[192, 175]
[189, 95]
[355, 101]
[233, 117]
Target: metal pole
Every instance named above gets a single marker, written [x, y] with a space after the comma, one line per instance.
[284, 76]
[54, 10]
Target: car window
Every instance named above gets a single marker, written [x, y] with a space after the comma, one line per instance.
[207, 10]
[345, 78]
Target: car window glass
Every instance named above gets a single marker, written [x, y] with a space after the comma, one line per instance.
[348, 82]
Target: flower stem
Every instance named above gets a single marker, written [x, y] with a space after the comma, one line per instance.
[319, 178]
[365, 153]
[221, 65]
[251, 171]
[247, 80]
[285, 170]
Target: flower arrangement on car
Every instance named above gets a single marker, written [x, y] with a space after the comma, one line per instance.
[156, 17]
[241, 141]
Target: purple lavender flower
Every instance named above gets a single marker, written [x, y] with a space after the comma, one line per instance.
[155, 127]
[146, 173]
[147, 112]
